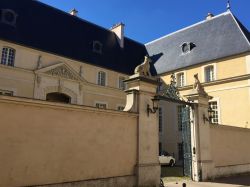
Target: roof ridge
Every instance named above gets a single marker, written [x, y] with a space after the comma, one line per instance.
[66, 13]
[188, 27]
[81, 19]
[242, 28]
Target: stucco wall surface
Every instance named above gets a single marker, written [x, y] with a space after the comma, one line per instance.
[48, 143]
[230, 146]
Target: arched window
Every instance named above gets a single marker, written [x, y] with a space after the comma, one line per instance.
[8, 56]
[101, 78]
[58, 97]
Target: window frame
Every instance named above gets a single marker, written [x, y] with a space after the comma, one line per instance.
[3, 19]
[101, 103]
[6, 91]
[184, 78]
[98, 51]
[7, 56]
[204, 74]
[118, 106]
[121, 83]
[217, 100]
[105, 79]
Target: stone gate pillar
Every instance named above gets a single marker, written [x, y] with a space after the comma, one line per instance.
[202, 163]
[140, 91]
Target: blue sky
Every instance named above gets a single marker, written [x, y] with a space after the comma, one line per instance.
[146, 20]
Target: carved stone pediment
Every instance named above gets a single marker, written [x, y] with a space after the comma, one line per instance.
[62, 71]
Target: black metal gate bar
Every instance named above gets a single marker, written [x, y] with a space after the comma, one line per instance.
[164, 98]
[186, 139]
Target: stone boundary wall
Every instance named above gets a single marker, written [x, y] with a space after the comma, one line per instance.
[45, 143]
[230, 150]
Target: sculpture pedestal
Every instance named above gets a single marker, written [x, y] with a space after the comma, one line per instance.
[139, 94]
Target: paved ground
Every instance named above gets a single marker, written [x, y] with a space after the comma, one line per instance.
[239, 181]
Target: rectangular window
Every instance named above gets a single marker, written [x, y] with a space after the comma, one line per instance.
[179, 116]
[6, 93]
[8, 56]
[160, 119]
[120, 108]
[160, 148]
[180, 79]
[180, 151]
[160, 85]
[215, 115]
[209, 73]
[101, 105]
[121, 83]
[101, 78]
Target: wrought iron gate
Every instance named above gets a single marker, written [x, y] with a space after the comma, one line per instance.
[170, 93]
[186, 139]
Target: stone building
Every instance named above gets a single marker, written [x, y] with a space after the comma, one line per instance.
[69, 60]
[63, 57]
[216, 48]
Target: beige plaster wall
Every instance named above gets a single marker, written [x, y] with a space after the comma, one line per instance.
[230, 146]
[232, 94]
[48, 143]
[21, 78]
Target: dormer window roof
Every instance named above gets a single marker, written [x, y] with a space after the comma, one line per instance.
[97, 47]
[186, 47]
[8, 16]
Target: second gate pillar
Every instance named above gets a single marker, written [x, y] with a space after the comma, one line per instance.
[202, 162]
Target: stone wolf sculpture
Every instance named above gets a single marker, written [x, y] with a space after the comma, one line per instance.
[144, 68]
[197, 85]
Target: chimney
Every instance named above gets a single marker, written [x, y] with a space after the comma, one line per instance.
[209, 16]
[73, 12]
[118, 29]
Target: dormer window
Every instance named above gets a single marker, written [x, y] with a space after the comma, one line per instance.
[187, 47]
[97, 47]
[8, 17]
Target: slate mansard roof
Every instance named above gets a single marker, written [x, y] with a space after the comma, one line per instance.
[45, 28]
[219, 37]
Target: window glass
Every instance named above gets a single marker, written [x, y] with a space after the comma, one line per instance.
[101, 105]
[6, 93]
[209, 73]
[120, 108]
[102, 78]
[215, 115]
[180, 79]
[121, 83]
[8, 56]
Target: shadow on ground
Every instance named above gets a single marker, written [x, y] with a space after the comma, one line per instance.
[243, 180]
[172, 174]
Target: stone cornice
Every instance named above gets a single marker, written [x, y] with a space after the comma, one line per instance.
[220, 81]
[42, 103]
